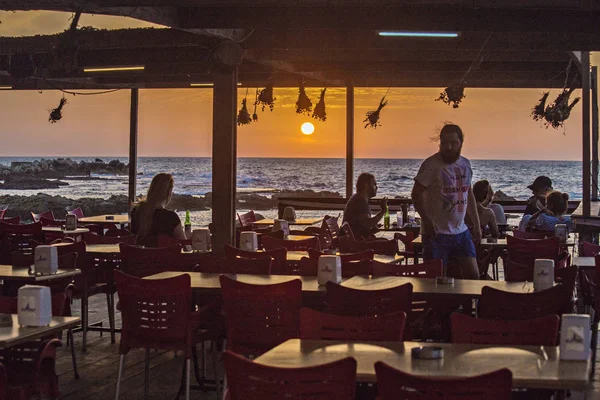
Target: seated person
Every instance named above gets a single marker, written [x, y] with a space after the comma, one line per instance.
[357, 213]
[541, 186]
[557, 204]
[487, 218]
[149, 218]
[496, 208]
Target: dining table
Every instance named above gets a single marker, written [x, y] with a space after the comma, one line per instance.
[14, 335]
[107, 219]
[297, 221]
[14, 277]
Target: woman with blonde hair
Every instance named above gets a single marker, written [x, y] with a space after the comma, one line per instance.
[149, 218]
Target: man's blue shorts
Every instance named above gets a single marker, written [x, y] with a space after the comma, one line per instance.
[445, 246]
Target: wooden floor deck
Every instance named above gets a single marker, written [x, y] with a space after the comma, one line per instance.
[98, 368]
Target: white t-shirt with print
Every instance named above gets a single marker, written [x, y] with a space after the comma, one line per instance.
[447, 192]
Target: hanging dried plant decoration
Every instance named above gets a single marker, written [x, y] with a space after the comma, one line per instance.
[255, 115]
[319, 112]
[372, 119]
[56, 114]
[243, 115]
[538, 112]
[559, 111]
[303, 105]
[453, 94]
[265, 97]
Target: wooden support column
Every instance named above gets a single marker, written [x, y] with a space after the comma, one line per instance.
[594, 83]
[349, 139]
[224, 168]
[133, 145]
[585, 80]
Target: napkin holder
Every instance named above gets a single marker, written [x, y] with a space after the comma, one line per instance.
[561, 232]
[543, 274]
[46, 259]
[289, 214]
[281, 224]
[329, 269]
[575, 337]
[200, 239]
[249, 241]
[34, 305]
[70, 222]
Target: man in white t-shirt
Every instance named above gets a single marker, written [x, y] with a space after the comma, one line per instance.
[443, 196]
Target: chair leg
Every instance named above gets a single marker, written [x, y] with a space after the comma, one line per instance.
[199, 379]
[84, 320]
[187, 379]
[119, 375]
[203, 359]
[215, 352]
[594, 345]
[70, 337]
[147, 375]
[110, 301]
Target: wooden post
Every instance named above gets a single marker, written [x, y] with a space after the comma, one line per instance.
[585, 80]
[224, 159]
[349, 139]
[594, 84]
[133, 144]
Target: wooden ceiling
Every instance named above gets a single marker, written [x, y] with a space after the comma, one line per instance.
[519, 43]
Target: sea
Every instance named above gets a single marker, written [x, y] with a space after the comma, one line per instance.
[268, 175]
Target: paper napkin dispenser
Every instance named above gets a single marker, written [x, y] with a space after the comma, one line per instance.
[34, 305]
[329, 269]
[248, 241]
[289, 214]
[561, 232]
[46, 259]
[71, 222]
[281, 224]
[543, 274]
[575, 337]
[201, 239]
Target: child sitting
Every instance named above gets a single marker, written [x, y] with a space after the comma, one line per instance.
[557, 204]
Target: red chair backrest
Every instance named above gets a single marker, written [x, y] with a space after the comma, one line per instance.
[427, 269]
[532, 235]
[278, 257]
[347, 301]
[92, 238]
[498, 304]
[246, 219]
[77, 248]
[270, 243]
[3, 382]
[347, 231]
[243, 265]
[394, 384]
[315, 325]
[260, 317]
[18, 238]
[155, 313]
[77, 211]
[331, 224]
[2, 212]
[567, 277]
[349, 245]
[16, 220]
[117, 233]
[526, 251]
[250, 380]
[46, 214]
[141, 262]
[541, 331]
[325, 239]
[589, 249]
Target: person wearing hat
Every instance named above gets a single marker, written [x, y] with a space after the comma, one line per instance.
[541, 186]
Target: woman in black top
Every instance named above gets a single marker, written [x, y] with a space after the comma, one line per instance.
[149, 218]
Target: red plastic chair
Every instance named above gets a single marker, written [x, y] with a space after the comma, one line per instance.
[156, 315]
[589, 249]
[246, 219]
[324, 235]
[315, 325]
[347, 231]
[498, 304]
[92, 238]
[271, 243]
[260, 317]
[3, 382]
[526, 251]
[249, 380]
[382, 246]
[141, 262]
[16, 220]
[242, 265]
[77, 212]
[117, 233]
[3, 212]
[541, 331]
[346, 301]
[18, 238]
[278, 257]
[532, 235]
[427, 269]
[393, 384]
[331, 224]
[278, 234]
[166, 241]
[46, 214]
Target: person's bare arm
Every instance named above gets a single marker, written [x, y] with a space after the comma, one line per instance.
[417, 198]
[473, 216]
[493, 225]
[179, 233]
[371, 222]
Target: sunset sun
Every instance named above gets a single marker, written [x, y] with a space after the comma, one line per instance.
[307, 128]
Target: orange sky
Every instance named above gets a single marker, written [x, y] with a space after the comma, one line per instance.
[496, 122]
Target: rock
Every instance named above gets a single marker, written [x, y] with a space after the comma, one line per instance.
[62, 167]
[305, 193]
[98, 160]
[187, 202]
[501, 196]
[30, 183]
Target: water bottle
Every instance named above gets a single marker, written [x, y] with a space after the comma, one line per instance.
[399, 219]
[386, 218]
[411, 214]
[188, 225]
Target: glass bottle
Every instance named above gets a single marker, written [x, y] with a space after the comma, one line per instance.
[188, 225]
[386, 218]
